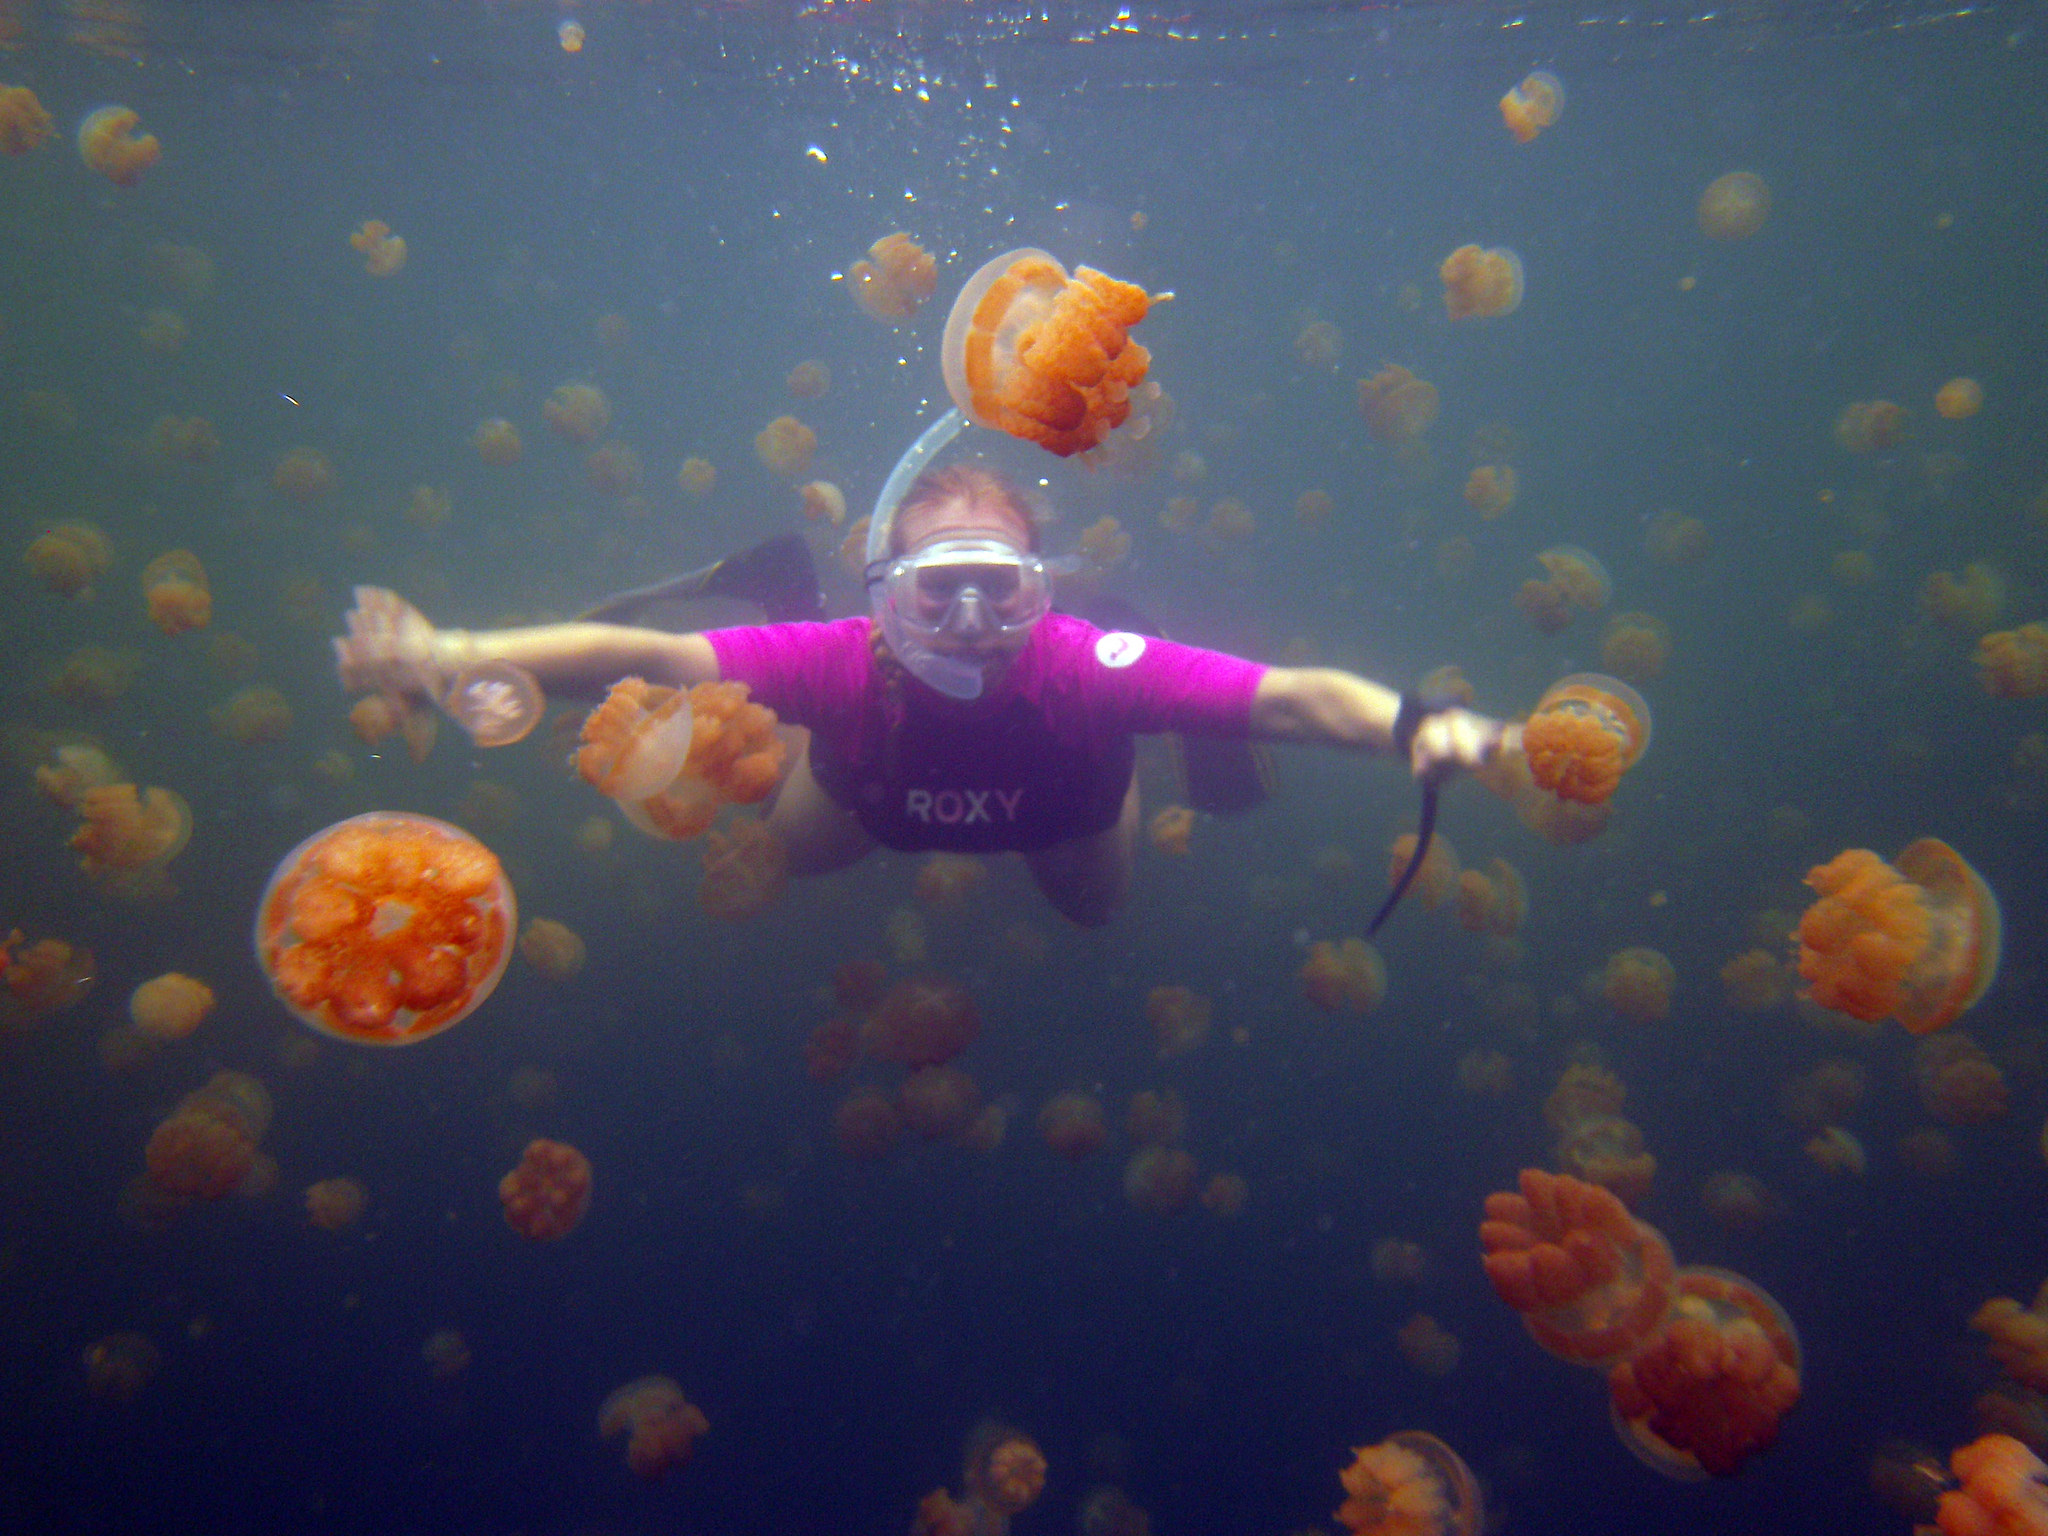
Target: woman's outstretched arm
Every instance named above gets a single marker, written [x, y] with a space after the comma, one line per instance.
[1341, 709]
[391, 647]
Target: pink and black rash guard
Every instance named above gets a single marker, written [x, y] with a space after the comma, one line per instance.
[1045, 757]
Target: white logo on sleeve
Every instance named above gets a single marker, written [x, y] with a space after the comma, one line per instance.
[1119, 648]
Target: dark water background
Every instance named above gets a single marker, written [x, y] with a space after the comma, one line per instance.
[1290, 163]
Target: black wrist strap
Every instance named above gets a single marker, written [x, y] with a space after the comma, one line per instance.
[1414, 710]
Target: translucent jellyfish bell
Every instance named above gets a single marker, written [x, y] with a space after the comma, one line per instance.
[497, 702]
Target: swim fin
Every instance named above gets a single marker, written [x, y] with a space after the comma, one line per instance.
[777, 574]
[1223, 775]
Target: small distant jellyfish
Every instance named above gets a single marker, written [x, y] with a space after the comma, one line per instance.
[1531, 106]
[548, 1194]
[570, 34]
[446, 1353]
[383, 252]
[1734, 206]
[109, 144]
[119, 1366]
[1481, 284]
[1959, 399]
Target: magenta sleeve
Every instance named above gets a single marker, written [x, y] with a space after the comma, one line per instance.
[1147, 685]
[809, 674]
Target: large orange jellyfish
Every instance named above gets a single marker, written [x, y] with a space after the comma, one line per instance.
[68, 558]
[922, 1022]
[1533, 105]
[171, 1006]
[1349, 976]
[894, 280]
[176, 593]
[1481, 283]
[700, 748]
[635, 743]
[1708, 1389]
[1591, 1282]
[127, 829]
[383, 252]
[23, 122]
[2013, 663]
[1043, 356]
[1917, 940]
[1587, 731]
[1734, 206]
[497, 702]
[386, 928]
[547, 1196]
[1397, 406]
[2004, 1491]
[1410, 1484]
[661, 1425]
[109, 144]
[578, 412]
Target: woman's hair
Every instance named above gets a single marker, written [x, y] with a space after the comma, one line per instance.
[973, 484]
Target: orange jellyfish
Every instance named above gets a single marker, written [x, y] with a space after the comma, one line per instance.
[497, 702]
[1179, 1017]
[895, 279]
[612, 468]
[68, 558]
[182, 439]
[1959, 399]
[23, 122]
[41, 978]
[697, 478]
[1318, 344]
[809, 380]
[1636, 647]
[109, 144]
[175, 590]
[823, 502]
[386, 928]
[253, 715]
[785, 446]
[1587, 731]
[1490, 489]
[1171, 828]
[1755, 981]
[206, 1147]
[1533, 105]
[554, 949]
[1579, 574]
[578, 412]
[171, 1006]
[1428, 1347]
[1481, 283]
[939, 1101]
[1917, 940]
[1437, 881]
[1072, 1125]
[547, 1196]
[332, 1204]
[1870, 426]
[1043, 356]
[746, 870]
[383, 252]
[867, 1123]
[1003, 1469]
[923, 1021]
[2017, 1337]
[1675, 538]
[1970, 602]
[1495, 902]
[304, 474]
[1349, 976]
[1397, 406]
[1708, 1389]
[1637, 984]
[2004, 1491]
[661, 1425]
[1591, 1282]
[2013, 663]
[127, 829]
[1160, 1179]
[1957, 1082]
[119, 1366]
[497, 442]
[1734, 206]
[1410, 1484]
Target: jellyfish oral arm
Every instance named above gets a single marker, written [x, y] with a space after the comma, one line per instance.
[584, 659]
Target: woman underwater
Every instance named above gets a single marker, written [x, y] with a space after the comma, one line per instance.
[962, 713]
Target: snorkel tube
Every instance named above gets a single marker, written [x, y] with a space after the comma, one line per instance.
[949, 675]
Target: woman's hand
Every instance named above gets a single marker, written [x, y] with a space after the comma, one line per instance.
[390, 648]
[1459, 741]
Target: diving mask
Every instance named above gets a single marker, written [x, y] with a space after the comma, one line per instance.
[963, 589]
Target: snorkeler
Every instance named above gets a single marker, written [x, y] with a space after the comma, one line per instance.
[962, 712]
